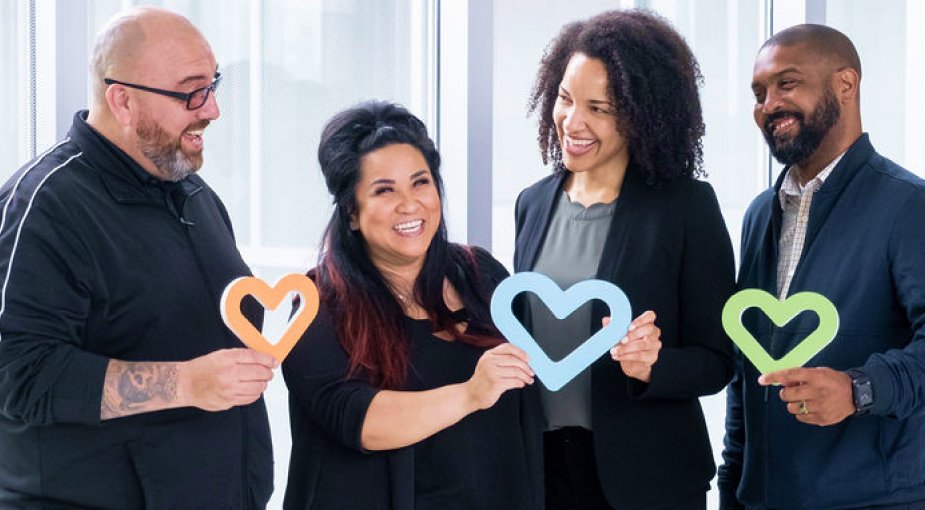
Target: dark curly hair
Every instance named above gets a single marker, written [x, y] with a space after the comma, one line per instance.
[653, 79]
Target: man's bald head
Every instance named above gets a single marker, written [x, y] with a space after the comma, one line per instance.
[121, 45]
[824, 42]
[153, 56]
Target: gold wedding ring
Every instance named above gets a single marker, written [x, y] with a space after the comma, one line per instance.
[803, 408]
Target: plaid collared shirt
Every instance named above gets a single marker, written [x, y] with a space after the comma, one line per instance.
[795, 200]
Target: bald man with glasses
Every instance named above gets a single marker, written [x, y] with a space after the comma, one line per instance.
[120, 386]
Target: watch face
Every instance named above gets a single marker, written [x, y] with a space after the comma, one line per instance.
[865, 398]
[863, 393]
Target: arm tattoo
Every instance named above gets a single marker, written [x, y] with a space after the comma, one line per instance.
[133, 388]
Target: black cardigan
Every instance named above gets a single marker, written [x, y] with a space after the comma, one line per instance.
[668, 249]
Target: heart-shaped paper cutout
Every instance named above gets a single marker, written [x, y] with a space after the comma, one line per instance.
[555, 374]
[270, 298]
[780, 312]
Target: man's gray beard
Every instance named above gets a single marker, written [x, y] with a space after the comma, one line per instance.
[166, 154]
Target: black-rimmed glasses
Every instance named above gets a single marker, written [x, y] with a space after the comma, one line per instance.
[194, 100]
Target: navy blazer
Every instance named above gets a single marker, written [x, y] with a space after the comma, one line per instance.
[864, 249]
[668, 249]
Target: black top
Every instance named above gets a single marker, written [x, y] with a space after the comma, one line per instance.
[488, 460]
[103, 261]
[667, 248]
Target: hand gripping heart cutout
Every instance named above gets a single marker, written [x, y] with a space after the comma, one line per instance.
[270, 298]
[555, 374]
[780, 312]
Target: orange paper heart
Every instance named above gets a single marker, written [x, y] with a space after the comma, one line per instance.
[270, 298]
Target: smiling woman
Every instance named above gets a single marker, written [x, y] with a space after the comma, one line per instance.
[586, 126]
[620, 121]
[398, 208]
[385, 384]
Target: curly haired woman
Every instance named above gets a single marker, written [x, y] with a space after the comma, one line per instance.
[620, 122]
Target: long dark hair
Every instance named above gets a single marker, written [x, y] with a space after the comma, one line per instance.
[370, 321]
[653, 79]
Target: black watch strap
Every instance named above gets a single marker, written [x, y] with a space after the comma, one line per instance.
[861, 391]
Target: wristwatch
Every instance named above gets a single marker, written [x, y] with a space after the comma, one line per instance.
[861, 391]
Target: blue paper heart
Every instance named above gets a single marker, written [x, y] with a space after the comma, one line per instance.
[555, 374]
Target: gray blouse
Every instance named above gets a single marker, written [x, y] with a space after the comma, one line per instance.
[570, 253]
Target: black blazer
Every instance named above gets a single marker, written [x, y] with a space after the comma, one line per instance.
[668, 249]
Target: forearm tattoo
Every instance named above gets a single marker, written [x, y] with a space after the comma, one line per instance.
[133, 388]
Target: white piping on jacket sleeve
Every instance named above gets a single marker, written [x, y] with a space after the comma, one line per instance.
[9, 266]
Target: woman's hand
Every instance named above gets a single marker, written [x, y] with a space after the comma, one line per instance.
[499, 369]
[638, 350]
[396, 419]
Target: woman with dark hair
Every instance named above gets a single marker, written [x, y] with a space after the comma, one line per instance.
[620, 120]
[399, 390]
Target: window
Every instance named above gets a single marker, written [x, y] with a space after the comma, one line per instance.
[16, 65]
[891, 44]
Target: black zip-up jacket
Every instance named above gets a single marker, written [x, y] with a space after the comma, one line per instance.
[99, 261]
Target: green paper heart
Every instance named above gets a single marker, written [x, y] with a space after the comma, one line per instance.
[780, 312]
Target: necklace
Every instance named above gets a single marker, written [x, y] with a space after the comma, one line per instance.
[404, 293]
[404, 297]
